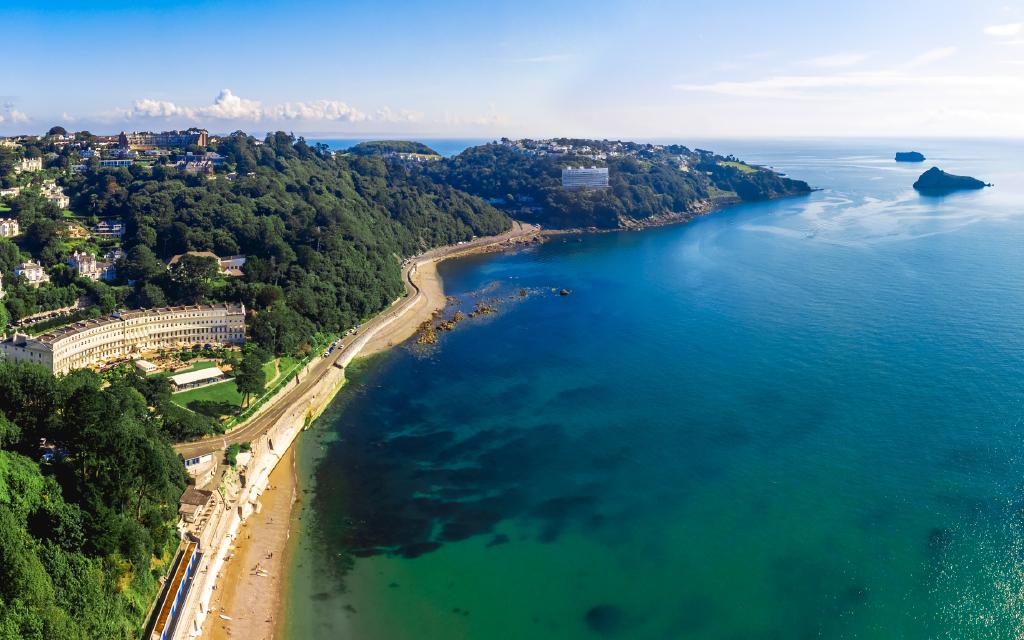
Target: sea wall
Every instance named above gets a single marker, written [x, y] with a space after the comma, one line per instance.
[267, 450]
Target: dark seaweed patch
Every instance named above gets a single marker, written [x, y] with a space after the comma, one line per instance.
[580, 395]
[418, 549]
[604, 619]
[406, 476]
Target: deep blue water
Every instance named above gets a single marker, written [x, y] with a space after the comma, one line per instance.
[791, 419]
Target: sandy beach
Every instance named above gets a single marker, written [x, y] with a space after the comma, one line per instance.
[250, 588]
[251, 584]
[432, 299]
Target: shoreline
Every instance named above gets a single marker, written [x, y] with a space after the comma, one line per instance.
[710, 206]
[422, 280]
[254, 578]
[236, 583]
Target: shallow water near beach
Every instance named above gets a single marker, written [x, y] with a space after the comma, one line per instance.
[792, 419]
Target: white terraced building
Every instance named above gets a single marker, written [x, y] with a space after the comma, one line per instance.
[582, 178]
[128, 333]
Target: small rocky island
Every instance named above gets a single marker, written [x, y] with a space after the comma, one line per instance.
[909, 156]
[935, 180]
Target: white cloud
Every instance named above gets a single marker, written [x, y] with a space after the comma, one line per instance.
[544, 59]
[928, 57]
[386, 114]
[11, 115]
[837, 60]
[812, 86]
[1005, 30]
[490, 119]
[148, 108]
[921, 96]
[330, 110]
[798, 86]
[228, 106]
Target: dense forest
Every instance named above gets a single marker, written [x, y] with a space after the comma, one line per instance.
[88, 497]
[388, 147]
[324, 234]
[644, 181]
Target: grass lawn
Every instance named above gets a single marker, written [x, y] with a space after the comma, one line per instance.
[220, 392]
[286, 365]
[270, 371]
[225, 391]
[206, 364]
[4, 209]
[745, 168]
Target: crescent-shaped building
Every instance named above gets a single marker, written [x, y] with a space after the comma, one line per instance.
[128, 333]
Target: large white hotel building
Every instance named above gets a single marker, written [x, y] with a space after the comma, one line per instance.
[583, 178]
[128, 333]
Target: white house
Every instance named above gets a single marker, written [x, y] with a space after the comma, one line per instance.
[29, 164]
[55, 194]
[9, 227]
[33, 272]
[105, 229]
[89, 267]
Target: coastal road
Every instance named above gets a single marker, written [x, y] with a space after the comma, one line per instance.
[254, 427]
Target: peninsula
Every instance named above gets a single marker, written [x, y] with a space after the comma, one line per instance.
[936, 180]
[571, 183]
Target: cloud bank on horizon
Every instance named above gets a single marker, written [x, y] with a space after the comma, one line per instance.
[227, 106]
[665, 69]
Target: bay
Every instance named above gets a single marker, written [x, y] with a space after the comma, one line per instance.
[799, 418]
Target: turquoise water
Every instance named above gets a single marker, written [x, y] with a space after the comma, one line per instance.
[792, 419]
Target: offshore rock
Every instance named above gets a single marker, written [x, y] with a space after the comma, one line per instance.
[909, 156]
[938, 181]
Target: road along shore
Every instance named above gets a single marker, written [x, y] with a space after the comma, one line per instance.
[229, 563]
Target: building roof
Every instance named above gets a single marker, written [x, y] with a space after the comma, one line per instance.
[197, 497]
[145, 365]
[205, 254]
[198, 375]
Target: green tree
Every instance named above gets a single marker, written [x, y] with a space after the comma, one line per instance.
[193, 275]
[141, 263]
[250, 377]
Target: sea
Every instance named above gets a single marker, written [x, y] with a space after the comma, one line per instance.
[801, 418]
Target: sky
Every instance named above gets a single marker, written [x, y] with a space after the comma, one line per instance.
[623, 69]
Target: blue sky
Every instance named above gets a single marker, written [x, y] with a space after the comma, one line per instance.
[606, 69]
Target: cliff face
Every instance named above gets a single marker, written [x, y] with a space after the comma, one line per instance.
[936, 179]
